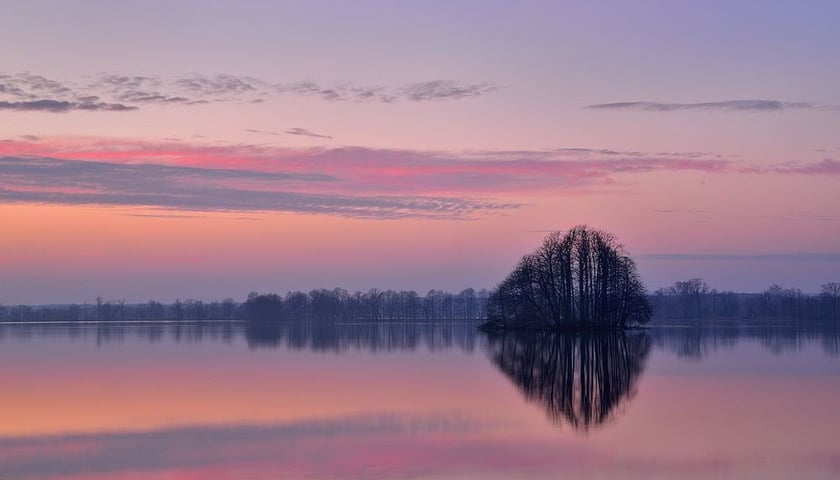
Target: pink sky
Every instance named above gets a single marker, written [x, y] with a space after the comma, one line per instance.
[220, 149]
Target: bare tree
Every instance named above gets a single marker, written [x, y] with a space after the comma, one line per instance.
[582, 279]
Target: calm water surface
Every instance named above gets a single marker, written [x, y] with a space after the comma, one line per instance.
[418, 401]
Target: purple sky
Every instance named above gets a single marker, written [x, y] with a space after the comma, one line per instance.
[206, 149]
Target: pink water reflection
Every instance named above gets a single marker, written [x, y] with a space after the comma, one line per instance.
[218, 410]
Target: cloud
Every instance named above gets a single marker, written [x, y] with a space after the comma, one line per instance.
[128, 81]
[292, 131]
[340, 93]
[35, 93]
[138, 89]
[729, 257]
[260, 132]
[365, 171]
[724, 106]
[83, 182]
[680, 211]
[25, 92]
[432, 90]
[345, 181]
[445, 90]
[827, 166]
[222, 86]
[27, 86]
[28, 92]
[306, 133]
[806, 217]
[61, 106]
[139, 96]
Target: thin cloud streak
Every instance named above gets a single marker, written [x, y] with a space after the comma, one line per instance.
[827, 166]
[730, 257]
[721, 106]
[306, 133]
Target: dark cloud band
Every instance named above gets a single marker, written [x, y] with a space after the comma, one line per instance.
[75, 182]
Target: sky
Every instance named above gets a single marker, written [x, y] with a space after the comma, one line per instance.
[208, 149]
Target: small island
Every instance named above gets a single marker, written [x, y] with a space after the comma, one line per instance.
[583, 280]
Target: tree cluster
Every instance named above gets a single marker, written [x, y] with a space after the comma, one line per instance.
[581, 279]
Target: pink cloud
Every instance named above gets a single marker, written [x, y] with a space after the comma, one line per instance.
[360, 170]
[827, 166]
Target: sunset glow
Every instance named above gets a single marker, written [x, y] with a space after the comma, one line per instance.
[143, 178]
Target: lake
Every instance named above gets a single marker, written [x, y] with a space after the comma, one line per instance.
[157, 401]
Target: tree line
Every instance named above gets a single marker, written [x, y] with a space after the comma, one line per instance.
[695, 299]
[340, 305]
[317, 305]
[684, 300]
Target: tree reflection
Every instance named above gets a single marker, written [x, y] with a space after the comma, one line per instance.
[580, 378]
[697, 342]
[327, 337]
[363, 336]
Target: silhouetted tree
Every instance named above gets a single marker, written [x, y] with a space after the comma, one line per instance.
[582, 279]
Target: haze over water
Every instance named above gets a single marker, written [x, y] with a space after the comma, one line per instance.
[422, 400]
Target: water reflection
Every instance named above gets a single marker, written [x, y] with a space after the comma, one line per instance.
[697, 342]
[373, 336]
[690, 342]
[311, 336]
[229, 400]
[207, 451]
[581, 379]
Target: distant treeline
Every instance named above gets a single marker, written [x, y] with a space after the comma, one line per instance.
[338, 304]
[685, 300]
[321, 305]
[695, 299]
